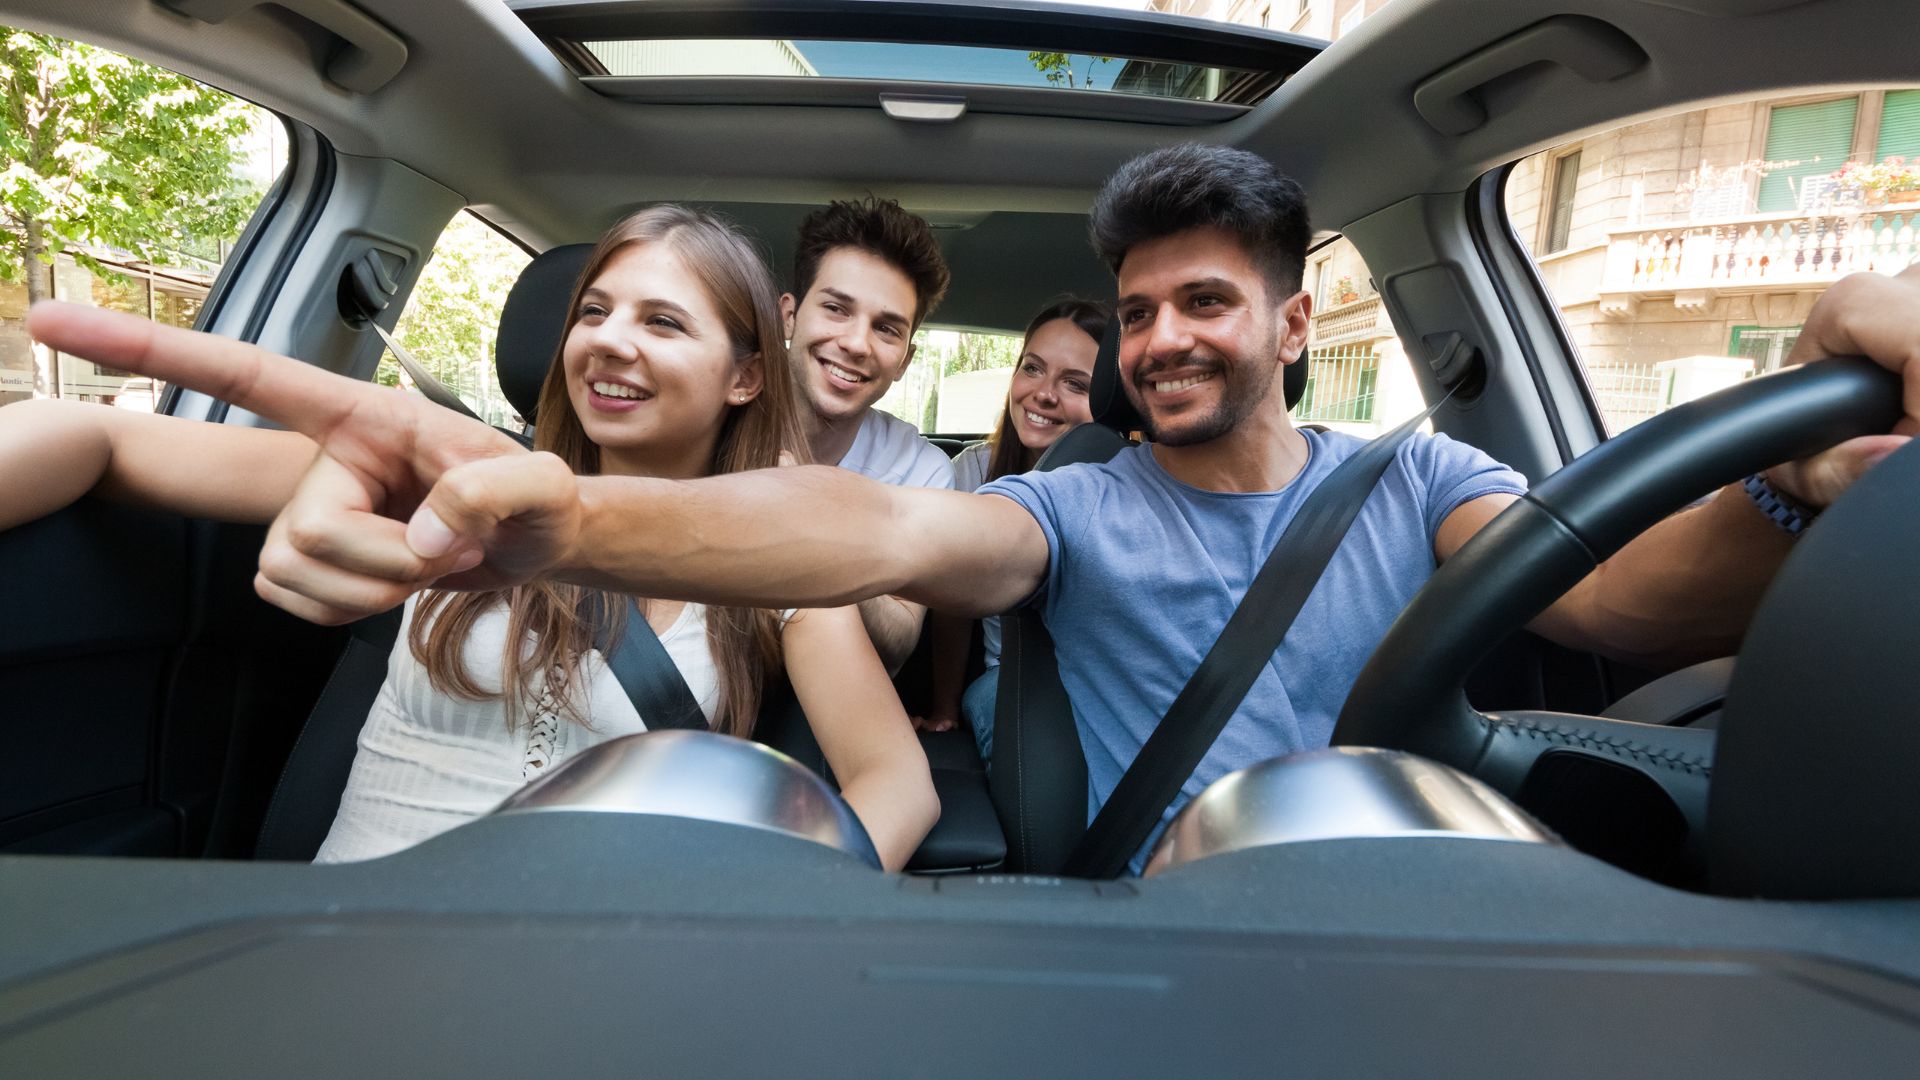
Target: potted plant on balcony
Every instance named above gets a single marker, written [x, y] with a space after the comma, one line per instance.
[1344, 291]
[1892, 181]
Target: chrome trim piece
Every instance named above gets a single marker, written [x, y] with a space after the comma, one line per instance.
[1340, 793]
[703, 776]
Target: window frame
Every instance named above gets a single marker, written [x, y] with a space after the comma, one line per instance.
[1548, 193]
[1756, 330]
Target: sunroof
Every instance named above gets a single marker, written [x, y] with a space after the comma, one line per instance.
[909, 62]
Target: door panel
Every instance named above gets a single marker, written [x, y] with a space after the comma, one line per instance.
[95, 608]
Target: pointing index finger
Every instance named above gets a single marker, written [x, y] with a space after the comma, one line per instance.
[286, 391]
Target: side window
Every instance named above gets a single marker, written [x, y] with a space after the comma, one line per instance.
[957, 383]
[1685, 252]
[453, 315]
[1358, 378]
[125, 187]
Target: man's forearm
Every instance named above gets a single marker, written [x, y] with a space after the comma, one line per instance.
[801, 537]
[1684, 591]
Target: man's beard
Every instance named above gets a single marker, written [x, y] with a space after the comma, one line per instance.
[1244, 387]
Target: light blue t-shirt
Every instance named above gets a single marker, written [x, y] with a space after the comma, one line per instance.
[1143, 572]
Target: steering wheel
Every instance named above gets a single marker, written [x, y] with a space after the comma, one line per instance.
[1410, 694]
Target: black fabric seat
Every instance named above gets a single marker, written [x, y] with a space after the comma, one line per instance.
[953, 448]
[1039, 776]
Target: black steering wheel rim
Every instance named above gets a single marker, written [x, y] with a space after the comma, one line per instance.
[1410, 695]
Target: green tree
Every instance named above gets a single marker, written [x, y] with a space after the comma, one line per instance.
[982, 352]
[100, 148]
[1058, 69]
[453, 314]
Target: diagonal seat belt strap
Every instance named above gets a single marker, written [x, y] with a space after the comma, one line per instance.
[1257, 627]
[430, 387]
[653, 682]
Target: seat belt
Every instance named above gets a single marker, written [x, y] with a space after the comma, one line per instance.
[653, 682]
[430, 387]
[1255, 630]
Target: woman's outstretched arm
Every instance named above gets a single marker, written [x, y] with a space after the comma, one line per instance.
[54, 452]
[862, 728]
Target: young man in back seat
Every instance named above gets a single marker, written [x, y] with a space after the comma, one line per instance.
[865, 276]
[1134, 564]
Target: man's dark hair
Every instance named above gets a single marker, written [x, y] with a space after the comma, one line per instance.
[1193, 185]
[882, 229]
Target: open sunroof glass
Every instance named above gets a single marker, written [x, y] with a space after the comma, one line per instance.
[905, 62]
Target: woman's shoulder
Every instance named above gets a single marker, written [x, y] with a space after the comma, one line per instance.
[970, 466]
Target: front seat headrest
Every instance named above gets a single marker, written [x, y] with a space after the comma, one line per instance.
[1112, 408]
[532, 321]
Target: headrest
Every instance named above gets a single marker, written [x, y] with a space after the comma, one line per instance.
[1110, 404]
[532, 321]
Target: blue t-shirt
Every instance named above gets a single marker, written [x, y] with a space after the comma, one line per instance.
[1143, 572]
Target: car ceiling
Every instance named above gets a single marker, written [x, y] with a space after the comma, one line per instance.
[484, 108]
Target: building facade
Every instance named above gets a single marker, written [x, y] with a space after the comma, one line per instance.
[170, 294]
[1683, 252]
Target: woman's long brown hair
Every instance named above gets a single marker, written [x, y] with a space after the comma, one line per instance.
[1008, 455]
[561, 619]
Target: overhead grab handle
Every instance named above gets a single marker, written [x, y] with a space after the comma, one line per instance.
[1450, 99]
[369, 55]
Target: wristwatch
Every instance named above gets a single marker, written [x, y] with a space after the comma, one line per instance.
[1782, 509]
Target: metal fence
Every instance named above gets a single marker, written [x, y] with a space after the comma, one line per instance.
[1340, 385]
[1628, 393]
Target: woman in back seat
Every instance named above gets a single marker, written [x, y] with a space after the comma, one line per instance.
[1048, 395]
[672, 365]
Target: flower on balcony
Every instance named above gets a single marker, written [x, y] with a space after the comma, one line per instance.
[1890, 180]
[1343, 291]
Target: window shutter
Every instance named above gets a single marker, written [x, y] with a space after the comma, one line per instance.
[1818, 138]
[1899, 126]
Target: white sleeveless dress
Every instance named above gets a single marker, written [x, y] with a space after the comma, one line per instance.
[428, 761]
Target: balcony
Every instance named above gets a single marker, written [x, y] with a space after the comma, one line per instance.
[1360, 320]
[1696, 261]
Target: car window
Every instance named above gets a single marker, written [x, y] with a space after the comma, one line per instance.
[957, 383]
[124, 187]
[453, 315]
[1684, 252]
[1358, 377]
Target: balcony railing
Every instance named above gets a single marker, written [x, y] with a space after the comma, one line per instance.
[1769, 249]
[1362, 320]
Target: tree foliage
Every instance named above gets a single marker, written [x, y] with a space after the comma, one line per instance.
[453, 314]
[1058, 68]
[96, 147]
[981, 352]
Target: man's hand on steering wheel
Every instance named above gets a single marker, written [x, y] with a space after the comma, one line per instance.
[1869, 315]
[403, 493]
